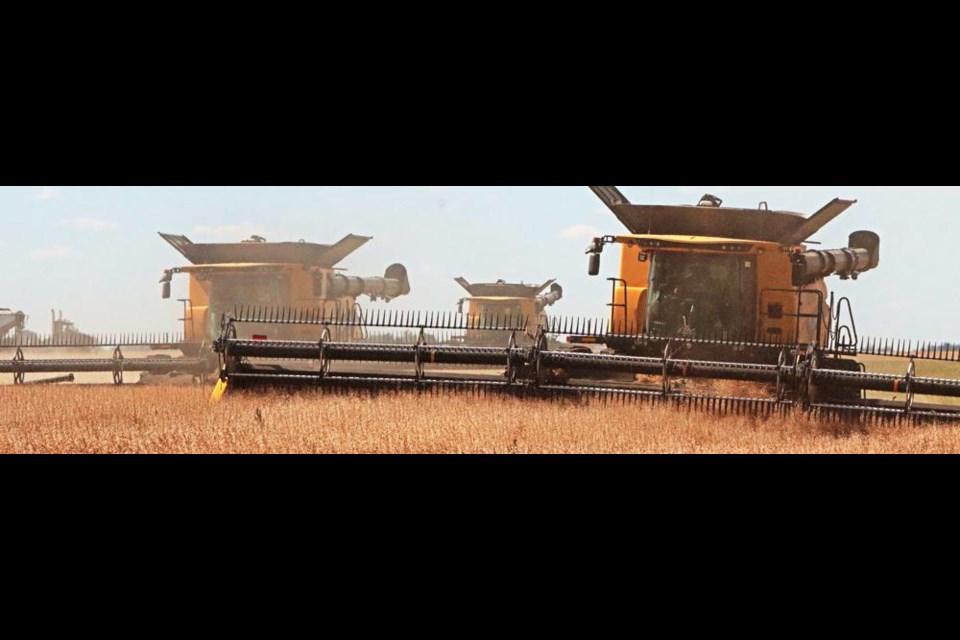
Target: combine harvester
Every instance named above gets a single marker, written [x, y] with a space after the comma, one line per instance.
[506, 300]
[221, 277]
[260, 275]
[703, 292]
[11, 321]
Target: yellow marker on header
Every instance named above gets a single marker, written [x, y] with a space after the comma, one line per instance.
[218, 391]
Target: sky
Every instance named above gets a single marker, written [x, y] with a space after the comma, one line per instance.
[94, 252]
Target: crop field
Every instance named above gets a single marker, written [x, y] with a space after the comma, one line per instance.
[898, 366]
[687, 325]
[145, 419]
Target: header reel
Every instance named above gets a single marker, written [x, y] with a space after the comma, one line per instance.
[804, 377]
[87, 356]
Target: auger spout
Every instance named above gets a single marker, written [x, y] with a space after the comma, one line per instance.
[862, 255]
[550, 298]
[11, 322]
[394, 284]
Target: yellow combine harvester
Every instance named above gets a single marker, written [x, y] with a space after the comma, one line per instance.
[225, 279]
[256, 274]
[703, 291]
[11, 321]
[727, 276]
[500, 301]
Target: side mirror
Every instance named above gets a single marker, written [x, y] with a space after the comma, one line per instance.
[165, 281]
[594, 251]
[593, 269]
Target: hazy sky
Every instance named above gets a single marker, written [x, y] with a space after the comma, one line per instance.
[94, 251]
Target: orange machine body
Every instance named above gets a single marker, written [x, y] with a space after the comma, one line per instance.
[750, 282]
[276, 280]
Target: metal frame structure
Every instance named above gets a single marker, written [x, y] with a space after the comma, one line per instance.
[803, 378]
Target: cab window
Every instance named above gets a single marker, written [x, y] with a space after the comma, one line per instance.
[695, 295]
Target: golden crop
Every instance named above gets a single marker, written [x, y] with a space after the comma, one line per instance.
[136, 419]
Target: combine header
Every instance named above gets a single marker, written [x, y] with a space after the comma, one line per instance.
[704, 292]
[68, 351]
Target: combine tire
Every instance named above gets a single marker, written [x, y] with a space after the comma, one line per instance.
[839, 396]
